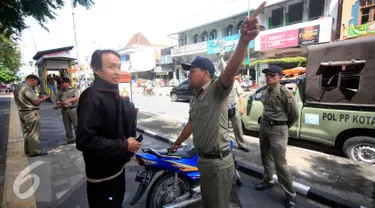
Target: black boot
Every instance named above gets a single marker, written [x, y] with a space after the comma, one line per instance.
[262, 186]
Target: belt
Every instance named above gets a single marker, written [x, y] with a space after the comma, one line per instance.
[275, 123]
[70, 107]
[28, 110]
[214, 155]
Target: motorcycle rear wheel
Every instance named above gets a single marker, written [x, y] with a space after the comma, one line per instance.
[162, 190]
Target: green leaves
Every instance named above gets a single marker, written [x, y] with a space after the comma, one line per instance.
[13, 13]
[288, 60]
[10, 59]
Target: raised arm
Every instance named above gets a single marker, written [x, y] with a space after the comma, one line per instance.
[249, 30]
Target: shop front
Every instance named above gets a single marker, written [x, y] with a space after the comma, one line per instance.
[287, 46]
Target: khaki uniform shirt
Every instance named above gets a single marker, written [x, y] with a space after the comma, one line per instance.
[236, 91]
[209, 116]
[67, 94]
[24, 96]
[279, 105]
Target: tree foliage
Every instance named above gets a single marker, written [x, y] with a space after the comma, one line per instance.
[13, 13]
[10, 59]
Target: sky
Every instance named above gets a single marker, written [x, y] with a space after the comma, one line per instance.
[111, 24]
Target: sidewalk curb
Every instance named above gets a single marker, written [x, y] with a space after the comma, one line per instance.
[253, 170]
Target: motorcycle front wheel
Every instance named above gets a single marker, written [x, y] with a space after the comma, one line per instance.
[163, 191]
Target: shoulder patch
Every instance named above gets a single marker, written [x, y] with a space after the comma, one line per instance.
[290, 100]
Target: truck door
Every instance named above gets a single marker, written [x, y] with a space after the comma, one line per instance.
[254, 111]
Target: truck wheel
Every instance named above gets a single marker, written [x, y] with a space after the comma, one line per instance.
[360, 148]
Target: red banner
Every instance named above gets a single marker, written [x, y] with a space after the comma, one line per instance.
[279, 40]
[290, 38]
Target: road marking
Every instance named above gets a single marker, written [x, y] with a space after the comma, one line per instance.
[311, 151]
[150, 133]
[16, 161]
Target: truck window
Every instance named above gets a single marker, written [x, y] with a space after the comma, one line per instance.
[340, 74]
[258, 95]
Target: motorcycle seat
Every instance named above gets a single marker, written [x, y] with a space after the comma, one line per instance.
[186, 153]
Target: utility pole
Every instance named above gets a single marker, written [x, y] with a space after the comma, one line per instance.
[76, 44]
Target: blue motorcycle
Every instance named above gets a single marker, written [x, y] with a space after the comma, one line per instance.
[178, 185]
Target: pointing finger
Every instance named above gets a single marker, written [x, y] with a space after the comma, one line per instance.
[260, 8]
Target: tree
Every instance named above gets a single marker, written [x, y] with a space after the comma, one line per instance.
[13, 13]
[10, 59]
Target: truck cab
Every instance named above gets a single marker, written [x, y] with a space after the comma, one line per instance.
[335, 100]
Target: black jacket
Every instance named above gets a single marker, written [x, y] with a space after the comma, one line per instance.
[102, 130]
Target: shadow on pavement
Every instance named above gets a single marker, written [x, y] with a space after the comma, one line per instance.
[155, 123]
[357, 182]
[53, 131]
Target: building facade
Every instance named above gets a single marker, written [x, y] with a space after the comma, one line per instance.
[287, 27]
[358, 18]
[141, 57]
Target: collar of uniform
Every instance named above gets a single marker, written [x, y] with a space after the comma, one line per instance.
[100, 83]
[276, 88]
[205, 87]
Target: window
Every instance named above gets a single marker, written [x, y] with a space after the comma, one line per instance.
[258, 96]
[213, 35]
[316, 9]
[350, 76]
[196, 38]
[330, 78]
[295, 13]
[277, 17]
[367, 11]
[229, 30]
[204, 36]
[237, 31]
[346, 77]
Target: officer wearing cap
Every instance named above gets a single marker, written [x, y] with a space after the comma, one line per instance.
[208, 119]
[279, 114]
[67, 99]
[28, 107]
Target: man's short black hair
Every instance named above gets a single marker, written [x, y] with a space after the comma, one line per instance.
[33, 76]
[65, 79]
[96, 58]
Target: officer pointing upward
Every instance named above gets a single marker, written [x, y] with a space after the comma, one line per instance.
[208, 118]
[279, 114]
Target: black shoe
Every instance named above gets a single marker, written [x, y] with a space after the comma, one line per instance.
[245, 149]
[290, 203]
[39, 153]
[262, 186]
[70, 142]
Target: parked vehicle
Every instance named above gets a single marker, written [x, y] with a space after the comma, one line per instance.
[335, 100]
[182, 92]
[178, 185]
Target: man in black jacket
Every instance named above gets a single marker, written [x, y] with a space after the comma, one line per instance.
[101, 134]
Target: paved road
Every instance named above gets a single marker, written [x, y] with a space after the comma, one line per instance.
[162, 105]
[4, 121]
[244, 196]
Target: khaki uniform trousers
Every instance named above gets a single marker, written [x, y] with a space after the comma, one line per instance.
[237, 129]
[216, 177]
[273, 141]
[30, 121]
[69, 116]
